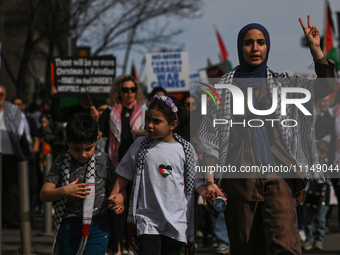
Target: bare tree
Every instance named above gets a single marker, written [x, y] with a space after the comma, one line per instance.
[37, 30]
[136, 22]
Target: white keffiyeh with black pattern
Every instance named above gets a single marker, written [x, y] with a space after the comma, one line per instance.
[60, 205]
[299, 142]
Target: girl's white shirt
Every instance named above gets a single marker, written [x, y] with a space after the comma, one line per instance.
[162, 203]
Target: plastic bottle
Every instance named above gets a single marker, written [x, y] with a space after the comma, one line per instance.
[220, 204]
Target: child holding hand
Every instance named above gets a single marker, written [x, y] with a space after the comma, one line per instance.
[79, 182]
[161, 166]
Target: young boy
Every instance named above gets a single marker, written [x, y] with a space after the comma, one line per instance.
[78, 181]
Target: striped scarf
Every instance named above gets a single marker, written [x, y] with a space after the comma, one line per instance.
[136, 123]
[60, 205]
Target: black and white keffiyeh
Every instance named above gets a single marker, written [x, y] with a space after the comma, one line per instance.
[299, 141]
[60, 205]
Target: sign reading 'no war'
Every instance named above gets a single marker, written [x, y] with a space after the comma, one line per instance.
[169, 70]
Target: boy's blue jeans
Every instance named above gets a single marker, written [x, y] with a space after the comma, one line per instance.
[319, 216]
[69, 235]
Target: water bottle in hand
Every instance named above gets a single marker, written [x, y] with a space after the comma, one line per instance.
[219, 203]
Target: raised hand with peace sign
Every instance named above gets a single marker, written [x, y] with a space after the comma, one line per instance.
[312, 36]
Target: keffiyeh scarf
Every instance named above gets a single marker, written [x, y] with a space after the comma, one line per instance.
[299, 141]
[14, 121]
[189, 179]
[136, 123]
[60, 205]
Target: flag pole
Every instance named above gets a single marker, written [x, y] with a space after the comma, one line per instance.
[325, 27]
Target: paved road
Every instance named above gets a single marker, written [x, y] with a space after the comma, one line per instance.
[11, 240]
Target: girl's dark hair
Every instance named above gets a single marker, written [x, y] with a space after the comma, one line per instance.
[183, 126]
[82, 128]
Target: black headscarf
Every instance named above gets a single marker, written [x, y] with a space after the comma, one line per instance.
[254, 76]
[257, 73]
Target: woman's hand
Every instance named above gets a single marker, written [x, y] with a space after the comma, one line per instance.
[313, 38]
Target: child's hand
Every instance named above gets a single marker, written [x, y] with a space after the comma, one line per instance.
[77, 190]
[116, 203]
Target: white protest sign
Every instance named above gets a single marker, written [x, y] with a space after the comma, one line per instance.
[169, 70]
[195, 78]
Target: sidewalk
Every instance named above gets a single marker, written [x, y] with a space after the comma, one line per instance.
[42, 245]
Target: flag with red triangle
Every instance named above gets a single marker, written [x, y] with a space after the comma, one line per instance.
[134, 72]
[328, 48]
[221, 46]
[223, 53]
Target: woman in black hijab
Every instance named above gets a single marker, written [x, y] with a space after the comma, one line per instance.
[261, 211]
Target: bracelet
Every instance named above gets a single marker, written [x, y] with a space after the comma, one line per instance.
[209, 183]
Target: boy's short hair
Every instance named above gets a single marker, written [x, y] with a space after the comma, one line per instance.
[82, 128]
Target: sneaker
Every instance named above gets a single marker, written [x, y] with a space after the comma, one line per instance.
[223, 249]
[318, 245]
[302, 235]
[307, 246]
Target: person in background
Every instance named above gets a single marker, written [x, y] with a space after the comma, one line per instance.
[101, 105]
[102, 143]
[316, 206]
[335, 111]
[157, 90]
[190, 103]
[14, 148]
[53, 133]
[120, 122]
[34, 111]
[33, 139]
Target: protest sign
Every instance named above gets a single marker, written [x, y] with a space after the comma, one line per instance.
[169, 70]
[75, 77]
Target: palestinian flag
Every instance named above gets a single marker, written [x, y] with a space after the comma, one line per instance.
[328, 46]
[221, 46]
[134, 72]
[223, 53]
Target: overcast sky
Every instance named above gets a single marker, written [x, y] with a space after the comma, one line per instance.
[279, 17]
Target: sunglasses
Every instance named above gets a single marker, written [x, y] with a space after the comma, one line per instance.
[126, 90]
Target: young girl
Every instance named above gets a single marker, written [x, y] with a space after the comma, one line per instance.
[161, 166]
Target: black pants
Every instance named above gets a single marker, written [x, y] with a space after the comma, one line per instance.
[158, 244]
